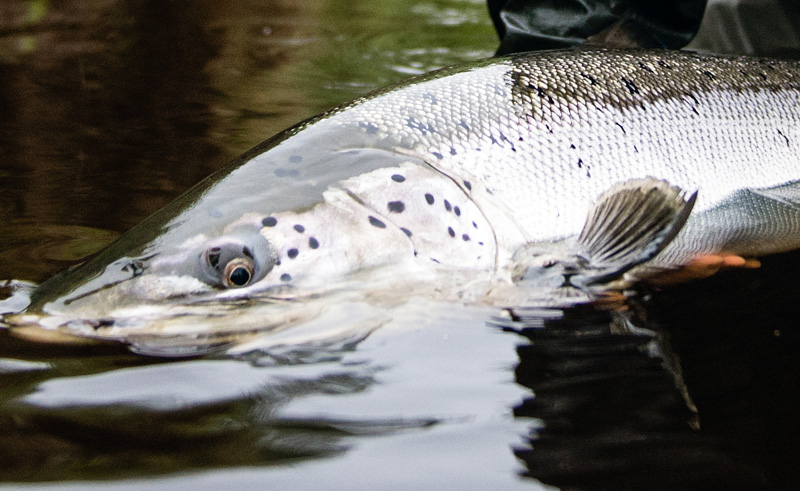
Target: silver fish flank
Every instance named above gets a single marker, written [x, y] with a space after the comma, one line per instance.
[461, 185]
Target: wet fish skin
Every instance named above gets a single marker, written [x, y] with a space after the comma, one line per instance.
[520, 146]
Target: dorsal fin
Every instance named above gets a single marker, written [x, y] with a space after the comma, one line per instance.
[628, 225]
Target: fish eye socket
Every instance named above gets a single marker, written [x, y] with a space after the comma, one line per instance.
[236, 260]
[238, 273]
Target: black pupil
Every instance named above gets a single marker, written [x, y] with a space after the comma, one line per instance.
[239, 276]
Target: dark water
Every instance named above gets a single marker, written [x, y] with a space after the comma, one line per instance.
[614, 400]
[109, 109]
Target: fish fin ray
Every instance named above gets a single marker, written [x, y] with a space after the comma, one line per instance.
[630, 224]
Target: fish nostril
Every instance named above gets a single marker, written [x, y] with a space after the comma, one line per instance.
[135, 268]
[213, 257]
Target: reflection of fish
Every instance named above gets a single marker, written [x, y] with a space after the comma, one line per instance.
[457, 184]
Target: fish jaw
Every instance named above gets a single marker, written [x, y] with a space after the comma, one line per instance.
[202, 320]
[178, 329]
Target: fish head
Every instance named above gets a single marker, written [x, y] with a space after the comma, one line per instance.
[257, 249]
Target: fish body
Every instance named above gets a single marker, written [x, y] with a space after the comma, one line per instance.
[443, 180]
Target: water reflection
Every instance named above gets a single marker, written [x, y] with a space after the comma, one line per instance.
[390, 404]
[110, 109]
[703, 394]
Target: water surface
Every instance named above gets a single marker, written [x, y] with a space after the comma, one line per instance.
[110, 109]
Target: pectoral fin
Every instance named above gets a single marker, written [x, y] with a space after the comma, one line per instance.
[628, 225]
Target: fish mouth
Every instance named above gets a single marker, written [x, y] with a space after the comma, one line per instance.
[169, 330]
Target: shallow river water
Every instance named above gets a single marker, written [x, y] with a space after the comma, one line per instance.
[110, 109]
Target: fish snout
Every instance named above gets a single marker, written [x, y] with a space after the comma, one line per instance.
[48, 329]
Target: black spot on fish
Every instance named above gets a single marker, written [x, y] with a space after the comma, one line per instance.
[505, 138]
[313, 243]
[457, 211]
[435, 260]
[468, 185]
[299, 228]
[287, 173]
[465, 237]
[475, 225]
[463, 125]
[452, 151]
[269, 222]
[590, 78]
[295, 159]
[541, 93]
[370, 128]
[406, 231]
[694, 100]
[447, 206]
[580, 163]
[431, 98]
[278, 262]
[286, 277]
[621, 127]
[398, 178]
[763, 75]
[247, 252]
[645, 67]
[292, 253]
[396, 206]
[784, 137]
[451, 231]
[437, 155]
[480, 243]
[572, 146]
[708, 74]
[421, 127]
[632, 88]
[664, 64]
[376, 223]
[429, 198]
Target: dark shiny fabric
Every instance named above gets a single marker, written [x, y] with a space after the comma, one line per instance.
[527, 25]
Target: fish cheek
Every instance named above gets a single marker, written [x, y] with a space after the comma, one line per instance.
[332, 241]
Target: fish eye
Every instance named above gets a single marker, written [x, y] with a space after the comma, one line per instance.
[235, 261]
[238, 273]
